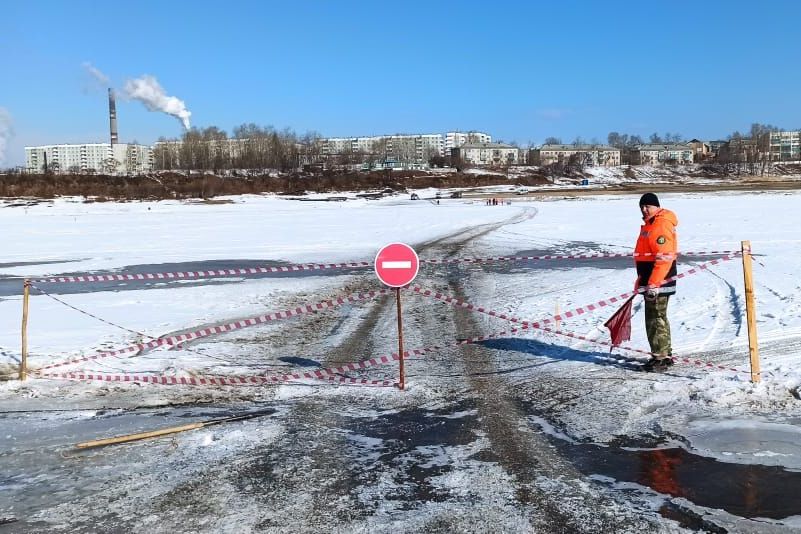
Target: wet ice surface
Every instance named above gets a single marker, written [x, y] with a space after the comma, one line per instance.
[12, 286]
[747, 441]
[746, 490]
[42, 468]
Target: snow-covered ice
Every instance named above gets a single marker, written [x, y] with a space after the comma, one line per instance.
[711, 412]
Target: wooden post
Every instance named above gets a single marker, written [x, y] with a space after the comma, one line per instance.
[172, 430]
[750, 309]
[400, 337]
[23, 363]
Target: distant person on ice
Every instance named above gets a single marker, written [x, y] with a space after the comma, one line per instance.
[655, 258]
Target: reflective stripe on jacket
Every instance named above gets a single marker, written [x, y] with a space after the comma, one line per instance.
[656, 251]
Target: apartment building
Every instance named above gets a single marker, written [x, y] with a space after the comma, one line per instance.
[785, 146]
[119, 158]
[660, 153]
[399, 150]
[496, 154]
[457, 139]
[701, 150]
[590, 155]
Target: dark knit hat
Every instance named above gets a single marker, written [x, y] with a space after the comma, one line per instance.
[649, 199]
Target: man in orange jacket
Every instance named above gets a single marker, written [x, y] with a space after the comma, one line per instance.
[655, 257]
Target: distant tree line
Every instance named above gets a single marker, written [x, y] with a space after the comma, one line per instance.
[250, 147]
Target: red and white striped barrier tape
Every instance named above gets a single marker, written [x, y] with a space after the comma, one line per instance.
[190, 275]
[570, 313]
[201, 274]
[204, 332]
[675, 359]
[594, 255]
[579, 311]
[525, 325]
[105, 321]
[177, 340]
[332, 374]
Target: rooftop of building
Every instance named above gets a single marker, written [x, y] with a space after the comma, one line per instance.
[487, 145]
[577, 147]
[75, 145]
[662, 146]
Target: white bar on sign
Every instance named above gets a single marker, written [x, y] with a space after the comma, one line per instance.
[396, 265]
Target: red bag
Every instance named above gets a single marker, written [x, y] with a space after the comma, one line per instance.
[619, 324]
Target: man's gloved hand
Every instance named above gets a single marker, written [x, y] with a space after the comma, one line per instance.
[651, 294]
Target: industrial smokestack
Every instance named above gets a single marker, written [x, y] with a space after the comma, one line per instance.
[112, 116]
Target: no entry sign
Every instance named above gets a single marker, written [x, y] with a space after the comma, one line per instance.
[396, 264]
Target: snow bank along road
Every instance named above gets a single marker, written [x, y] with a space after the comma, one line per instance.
[524, 431]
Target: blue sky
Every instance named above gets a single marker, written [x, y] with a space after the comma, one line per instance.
[521, 71]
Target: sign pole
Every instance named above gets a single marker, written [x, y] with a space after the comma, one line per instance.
[23, 363]
[750, 311]
[400, 337]
[396, 265]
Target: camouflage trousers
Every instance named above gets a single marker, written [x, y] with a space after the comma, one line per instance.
[657, 326]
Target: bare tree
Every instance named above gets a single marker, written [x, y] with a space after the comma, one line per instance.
[190, 150]
[110, 165]
[215, 150]
[760, 135]
[578, 161]
[380, 149]
[552, 141]
[166, 154]
[312, 149]
[432, 156]
[404, 150]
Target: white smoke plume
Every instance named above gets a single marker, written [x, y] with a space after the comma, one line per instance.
[5, 133]
[147, 90]
[101, 78]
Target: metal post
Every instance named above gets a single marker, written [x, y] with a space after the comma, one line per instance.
[750, 309]
[23, 364]
[400, 337]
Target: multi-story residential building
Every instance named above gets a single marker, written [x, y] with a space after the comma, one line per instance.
[457, 139]
[487, 154]
[701, 150]
[742, 150]
[716, 146]
[660, 153]
[119, 158]
[133, 159]
[785, 146]
[590, 155]
[399, 150]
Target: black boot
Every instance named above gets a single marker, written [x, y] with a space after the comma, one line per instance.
[657, 364]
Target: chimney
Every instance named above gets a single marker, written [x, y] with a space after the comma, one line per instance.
[112, 116]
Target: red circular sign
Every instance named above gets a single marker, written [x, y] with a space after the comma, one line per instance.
[396, 264]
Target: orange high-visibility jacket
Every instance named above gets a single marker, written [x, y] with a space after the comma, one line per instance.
[656, 251]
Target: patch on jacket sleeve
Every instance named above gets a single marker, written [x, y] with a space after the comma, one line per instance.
[661, 240]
